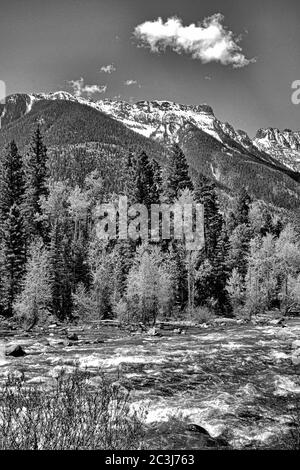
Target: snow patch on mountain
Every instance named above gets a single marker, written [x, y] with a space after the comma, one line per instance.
[282, 145]
[163, 120]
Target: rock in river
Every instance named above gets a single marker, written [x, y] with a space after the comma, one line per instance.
[72, 337]
[15, 350]
[296, 357]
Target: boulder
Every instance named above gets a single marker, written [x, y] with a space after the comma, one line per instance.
[177, 331]
[152, 332]
[72, 337]
[277, 321]
[197, 429]
[206, 440]
[15, 350]
[296, 357]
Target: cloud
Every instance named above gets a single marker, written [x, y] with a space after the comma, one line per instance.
[110, 68]
[130, 82]
[208, 41]
[79, 88]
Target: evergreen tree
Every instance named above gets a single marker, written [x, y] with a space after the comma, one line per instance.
[61, 271]
[239, 247]
[145, 188]
[141, 180]
[12, 181]
[205, 194]
[243, 207]
[211, 261]
[129, 177]
[36, 187]
[157, 178]
[12, 229]
[65, 260]
[176, 175]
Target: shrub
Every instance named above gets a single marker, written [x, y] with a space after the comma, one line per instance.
[200, 315]
[120, 311]
[71, 415]
[84, 305]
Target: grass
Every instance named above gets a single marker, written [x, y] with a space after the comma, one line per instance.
[71, 415]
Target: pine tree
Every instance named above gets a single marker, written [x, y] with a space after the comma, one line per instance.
[243, 207]
[157, 177]
[176, 175]
[220, 272]
[61, 271]
[12, 229]
[12, 181]
[63, 250]
[211, 263]
[145, 188]
[239, 247]
[36, 187]
[129, 177]
[141, 181]
[205, 194]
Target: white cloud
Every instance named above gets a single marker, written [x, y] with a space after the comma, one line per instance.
[130, 82]
[110, 68]
[79, 88]
[209, 41]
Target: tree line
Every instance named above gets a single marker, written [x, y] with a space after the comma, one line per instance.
[53, 264]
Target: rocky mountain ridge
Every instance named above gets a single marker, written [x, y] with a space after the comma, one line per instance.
[162, 121]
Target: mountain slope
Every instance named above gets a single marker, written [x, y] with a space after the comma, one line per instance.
[236, 170]
[84, 134]
[284, 146]
[65, 122]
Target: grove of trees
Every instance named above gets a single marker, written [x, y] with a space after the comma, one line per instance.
[53, 264]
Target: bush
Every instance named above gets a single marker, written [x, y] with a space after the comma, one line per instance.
[200, 315]
[69, 416]
[84, 305]
[120, 311]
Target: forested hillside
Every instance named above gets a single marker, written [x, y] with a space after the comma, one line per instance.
[53, 263]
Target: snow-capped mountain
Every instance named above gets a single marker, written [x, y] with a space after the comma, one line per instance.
[162, 121]
[159, 120]
[282, 145]
[109, 129]
[20, 104]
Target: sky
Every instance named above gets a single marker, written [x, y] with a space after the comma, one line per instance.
[240, 57]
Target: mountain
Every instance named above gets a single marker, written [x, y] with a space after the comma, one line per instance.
[108, 129]
[284, 146]
[66, 121]
[213, 148]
